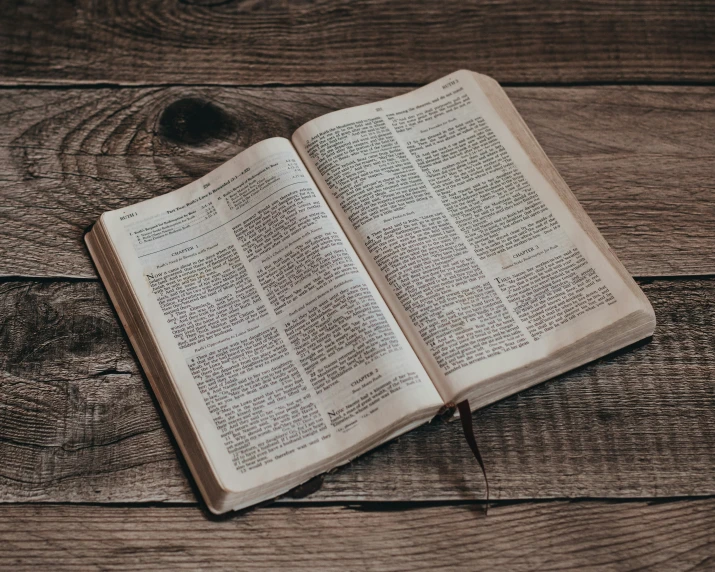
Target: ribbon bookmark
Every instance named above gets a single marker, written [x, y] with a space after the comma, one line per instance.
[465, 416]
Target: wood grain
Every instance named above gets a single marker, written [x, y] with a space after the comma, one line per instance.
[345, 41]
[77, 422]
[630, 536]
[638, 158]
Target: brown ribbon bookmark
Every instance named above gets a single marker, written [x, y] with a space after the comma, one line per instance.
[465, 416]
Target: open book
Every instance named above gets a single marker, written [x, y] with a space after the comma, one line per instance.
[311, 299]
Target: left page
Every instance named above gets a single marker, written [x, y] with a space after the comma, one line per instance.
[279, 344]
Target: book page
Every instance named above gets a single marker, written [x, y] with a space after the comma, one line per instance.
[278, 341]
[482, 263]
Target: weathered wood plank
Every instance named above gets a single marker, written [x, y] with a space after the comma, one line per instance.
[240, 43]
[626, 536]
[639, 159]
[74, 410]
[77, 422]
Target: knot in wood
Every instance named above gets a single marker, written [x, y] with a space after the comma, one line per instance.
[193, 121]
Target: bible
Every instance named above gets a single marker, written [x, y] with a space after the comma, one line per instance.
[312, 298]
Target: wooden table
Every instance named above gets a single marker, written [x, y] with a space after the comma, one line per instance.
[107, 103]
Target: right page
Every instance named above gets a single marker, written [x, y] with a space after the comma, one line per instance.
[478, 247]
